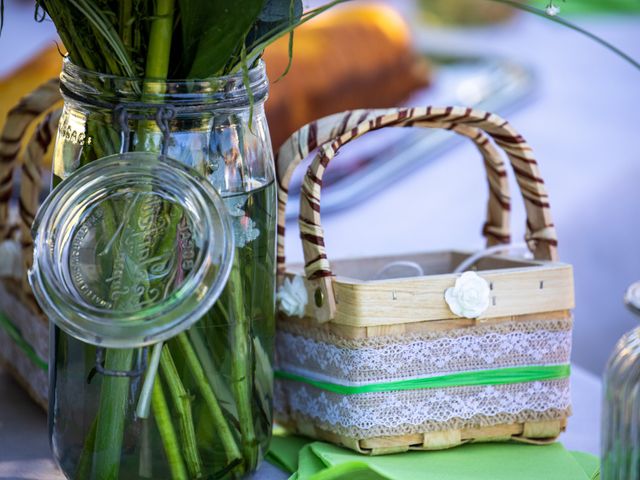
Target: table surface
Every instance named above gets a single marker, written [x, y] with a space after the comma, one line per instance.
[603, 170]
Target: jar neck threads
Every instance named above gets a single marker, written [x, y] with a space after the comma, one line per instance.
[106, 91]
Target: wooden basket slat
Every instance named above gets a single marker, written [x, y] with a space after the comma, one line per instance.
[515, 291]
[539, 433]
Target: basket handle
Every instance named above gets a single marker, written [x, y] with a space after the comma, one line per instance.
[31, 183]
[540, 236]
[19, 118]
[297, 147]
[30, 107]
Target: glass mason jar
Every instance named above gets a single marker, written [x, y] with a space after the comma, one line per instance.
[620, 449]
[199, 404]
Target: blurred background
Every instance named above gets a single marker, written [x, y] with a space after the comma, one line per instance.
[397, 192]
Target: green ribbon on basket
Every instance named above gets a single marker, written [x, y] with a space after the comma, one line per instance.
[20, 341]
[498, 376]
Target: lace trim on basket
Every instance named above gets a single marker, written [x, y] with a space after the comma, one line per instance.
[418, 411]
[424, 357]
[322, 335]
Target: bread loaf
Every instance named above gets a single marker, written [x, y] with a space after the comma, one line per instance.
[353, 57]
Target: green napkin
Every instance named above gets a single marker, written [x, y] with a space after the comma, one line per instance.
[285, 449]
[590, 464]
[495, 461]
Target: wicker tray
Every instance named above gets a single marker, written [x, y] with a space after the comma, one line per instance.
[24, 331]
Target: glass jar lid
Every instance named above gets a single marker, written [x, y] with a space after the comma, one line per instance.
[130, 250]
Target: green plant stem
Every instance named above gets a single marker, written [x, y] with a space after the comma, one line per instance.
[217, 415]
[111, 415]
[145, 466]
[84, 463]
[104, 440]
[108, 36]
[144, 399]
[241, 374]
[157, 68]
[115, 390]
[167, 432]
[105, 52]
[160, 40]
[114, 394]
[125, 23]
[182, 404]
[216, 380]
[68, 35]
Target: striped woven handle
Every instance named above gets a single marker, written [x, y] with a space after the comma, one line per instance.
[540, 236]
[31, 181]
[302, 142]
[32, 106]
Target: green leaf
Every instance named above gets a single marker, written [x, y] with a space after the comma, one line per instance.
[275, 15]
[280, 10]
[256, 48]
[262, 378]
[247, 83]
[213, 31]
[107, 33]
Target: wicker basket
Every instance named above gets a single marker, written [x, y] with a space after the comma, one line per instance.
[384, 366]
[24, 330]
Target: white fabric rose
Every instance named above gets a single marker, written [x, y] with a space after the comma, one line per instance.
[470, 296]
[552, 9]
[292, 297]
[244, 228]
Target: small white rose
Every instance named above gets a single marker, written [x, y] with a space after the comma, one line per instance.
[292, 297]
[244, 228]
[552, 9]
[470, 296]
